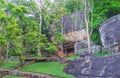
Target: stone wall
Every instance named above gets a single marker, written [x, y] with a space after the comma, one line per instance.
[4, 72]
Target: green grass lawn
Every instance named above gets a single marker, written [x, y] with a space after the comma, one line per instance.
[101, 53]
[14, 77]
[73, 57]
[9, 64]
[50, 68]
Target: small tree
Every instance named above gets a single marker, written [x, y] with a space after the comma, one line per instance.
[88, 7]
[13, 38]
[15, 27]
[2, 49]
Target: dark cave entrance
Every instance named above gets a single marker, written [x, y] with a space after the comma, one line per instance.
[68, 48]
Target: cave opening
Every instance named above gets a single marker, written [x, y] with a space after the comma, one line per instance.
[68, 48]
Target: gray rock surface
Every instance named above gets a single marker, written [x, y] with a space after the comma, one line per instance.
[52, 59]
[73, 27]
[73, 22]
[74, 32]
[13, 58]
[88, 66]
[81, 47]
[110, 32]
[95, 48]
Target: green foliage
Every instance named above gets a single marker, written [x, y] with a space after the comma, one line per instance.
[1, 62]
[73, 5]
[58, 39]
[13, 37]
[111, 8]
[20, 32]
[30, 40]
[51, 68]
[43, 41]
[2, 2]
[51, 48]
[101, 14]
[51, 25]
[95, 36]
[2, 41]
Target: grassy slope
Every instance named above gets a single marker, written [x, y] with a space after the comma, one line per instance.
[101, 53]
[9, 64]
[73, 57]
[51, 68]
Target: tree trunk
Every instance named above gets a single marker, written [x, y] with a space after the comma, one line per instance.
[39, 3]
[7, 51]
[87, 26]
[39, 52]
[20, 60]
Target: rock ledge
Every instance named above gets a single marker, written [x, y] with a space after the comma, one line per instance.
[88, 66]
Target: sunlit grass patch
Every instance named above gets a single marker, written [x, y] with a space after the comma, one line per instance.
[50, 68]
[9, 64]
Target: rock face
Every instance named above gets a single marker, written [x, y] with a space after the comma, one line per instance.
[110, 32]
[82, 47]
[75, 34]
[73, 27]
[95, 48]
[88, 66]
[73, 31]
[72, 22]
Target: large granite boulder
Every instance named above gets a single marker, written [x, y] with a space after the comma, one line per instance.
[82, 47]
[73, 22]
[88, 66]
[73, 27]
[96, 48]
[110, 32]
[75, 34]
